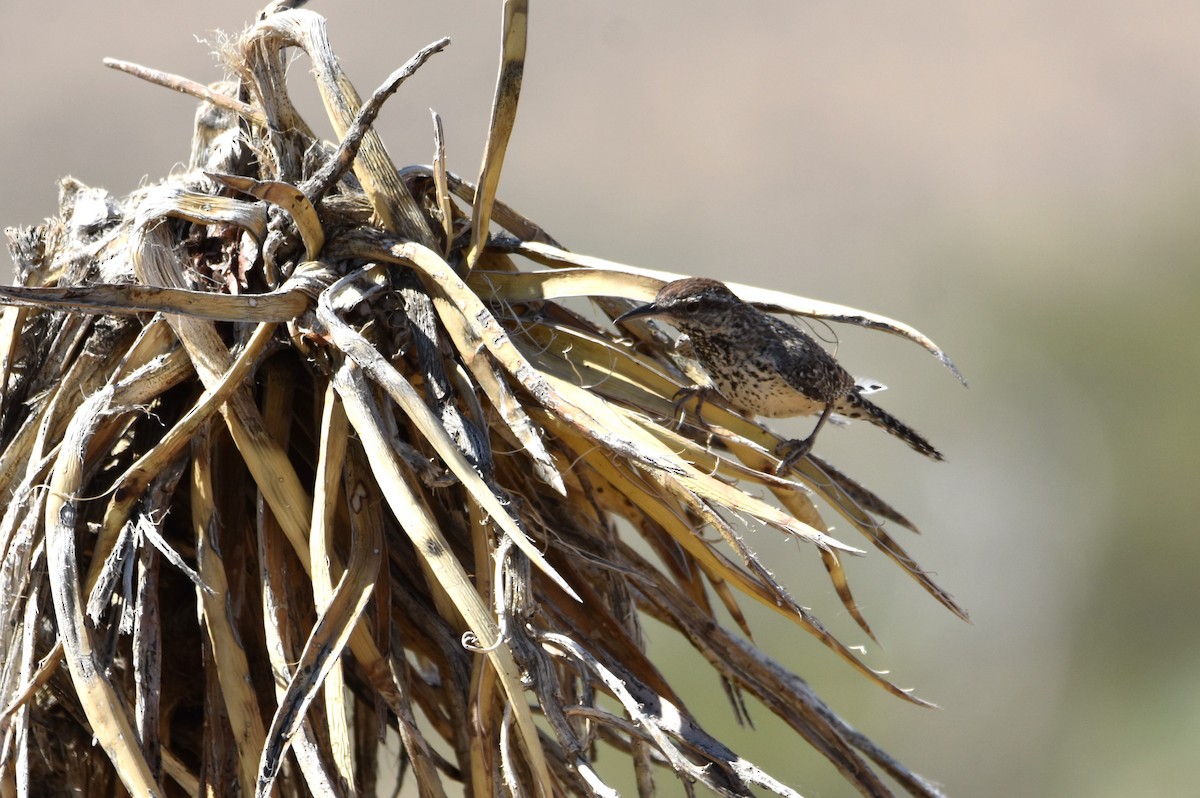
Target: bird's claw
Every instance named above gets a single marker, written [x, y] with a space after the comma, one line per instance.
[679, 413]
[792, 452]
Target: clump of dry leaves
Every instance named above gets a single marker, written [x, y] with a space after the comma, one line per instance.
[296, 456]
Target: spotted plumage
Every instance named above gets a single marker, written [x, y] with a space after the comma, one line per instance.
[763, 366]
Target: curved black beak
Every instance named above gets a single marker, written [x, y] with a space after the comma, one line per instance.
[645, 311]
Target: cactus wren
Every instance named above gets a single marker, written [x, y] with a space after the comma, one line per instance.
[764, 366]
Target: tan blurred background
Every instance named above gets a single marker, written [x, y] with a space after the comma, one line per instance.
[1019, 180]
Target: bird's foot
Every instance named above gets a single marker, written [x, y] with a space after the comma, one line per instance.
[679, 413]
[791, 452]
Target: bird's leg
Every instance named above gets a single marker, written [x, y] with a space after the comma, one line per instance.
[792, 451]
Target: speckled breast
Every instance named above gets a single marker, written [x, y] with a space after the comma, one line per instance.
[747, 382]
[764, 393]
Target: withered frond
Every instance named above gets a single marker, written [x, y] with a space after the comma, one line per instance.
[398, 484]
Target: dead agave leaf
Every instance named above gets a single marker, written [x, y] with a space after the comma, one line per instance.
[335, 429]
[408, 459]
[486, 331]
[101, 702]
[286, 196]
[336, 621]
[390, 199]
[770, 300]
[241, 704]
[181, 84]
[434, 548]
[282, 648]
[515, 30]
[506, 403]
[609, 369]
[285, 303]
[403, 394]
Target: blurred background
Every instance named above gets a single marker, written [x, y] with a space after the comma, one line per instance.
[1018, 180]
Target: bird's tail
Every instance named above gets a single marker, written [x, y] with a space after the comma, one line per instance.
[855, 405]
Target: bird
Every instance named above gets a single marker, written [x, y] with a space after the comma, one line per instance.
[763, 366]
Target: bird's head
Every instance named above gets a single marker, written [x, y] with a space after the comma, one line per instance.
[696, 300]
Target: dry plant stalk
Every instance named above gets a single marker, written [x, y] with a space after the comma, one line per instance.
[293, 403]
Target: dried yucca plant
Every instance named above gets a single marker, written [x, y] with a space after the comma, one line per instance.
[293, 402]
